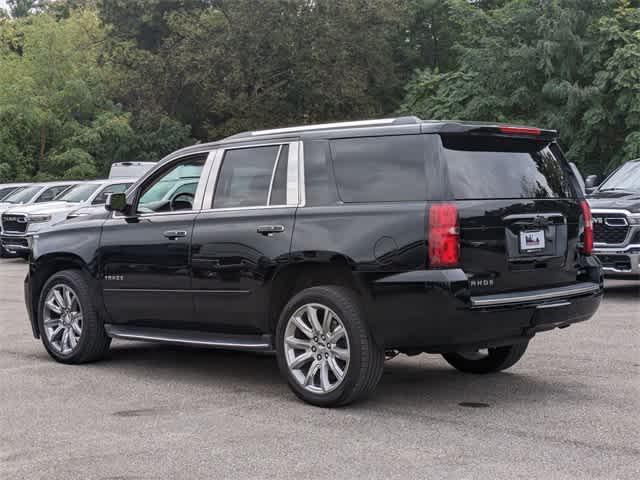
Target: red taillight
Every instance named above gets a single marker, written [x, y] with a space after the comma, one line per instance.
[587, 240]
[444, 236]
[520, 131]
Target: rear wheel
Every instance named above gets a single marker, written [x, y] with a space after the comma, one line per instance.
[325, 349]
[487, 360]
[70, 328]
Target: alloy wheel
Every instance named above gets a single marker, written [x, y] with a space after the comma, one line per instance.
[316, 348]
[62, 318]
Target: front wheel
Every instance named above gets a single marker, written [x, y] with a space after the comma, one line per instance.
[487, 360]
[70, 328]
[325, 349]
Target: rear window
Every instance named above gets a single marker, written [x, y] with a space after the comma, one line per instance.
[379, 169]
[495, 168]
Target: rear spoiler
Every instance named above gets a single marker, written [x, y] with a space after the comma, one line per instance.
[508, 131]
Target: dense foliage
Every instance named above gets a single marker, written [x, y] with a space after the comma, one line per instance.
[84, 83]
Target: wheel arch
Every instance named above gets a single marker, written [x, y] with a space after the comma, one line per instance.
[327, 269]
[43, 269]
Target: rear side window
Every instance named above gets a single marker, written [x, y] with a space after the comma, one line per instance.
[496, 168]
[251, 177]
[380, 169]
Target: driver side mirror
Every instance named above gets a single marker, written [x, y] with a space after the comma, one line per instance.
[591, 182]
[116, 202]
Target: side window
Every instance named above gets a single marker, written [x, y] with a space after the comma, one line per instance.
[252, 177]
[186, 188]
[380, 169]
[101, 198]
[160, 195]
[51, 193]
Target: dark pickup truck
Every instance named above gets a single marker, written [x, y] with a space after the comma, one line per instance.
[615, 206]
[334, 246]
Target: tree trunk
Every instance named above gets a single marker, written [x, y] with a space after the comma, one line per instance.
[43, 142]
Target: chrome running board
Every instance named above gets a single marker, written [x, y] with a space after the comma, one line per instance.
[254, 343]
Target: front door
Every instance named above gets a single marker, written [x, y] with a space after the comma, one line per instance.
[243, 235]
[145, 256]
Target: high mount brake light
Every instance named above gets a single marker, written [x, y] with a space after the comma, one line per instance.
[443, 236]
[520, 131]
[587, 241]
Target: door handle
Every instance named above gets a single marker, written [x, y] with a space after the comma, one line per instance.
[268, 230]
[173, 234]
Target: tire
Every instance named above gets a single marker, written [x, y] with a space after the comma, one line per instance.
[496, 360]
[360, 359]
[92, 342]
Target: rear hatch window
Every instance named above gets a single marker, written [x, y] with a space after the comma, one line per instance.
[485, 167]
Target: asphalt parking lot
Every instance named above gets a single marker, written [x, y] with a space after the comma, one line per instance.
[569, 409]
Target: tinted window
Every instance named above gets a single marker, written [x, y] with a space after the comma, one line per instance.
[486, 167]
[51, 193]
[245, 177]
[380, 169]
[101, 198]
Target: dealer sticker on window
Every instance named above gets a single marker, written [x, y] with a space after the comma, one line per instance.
[531, 240]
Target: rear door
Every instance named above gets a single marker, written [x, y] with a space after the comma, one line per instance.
[519, 211]
[243, 234]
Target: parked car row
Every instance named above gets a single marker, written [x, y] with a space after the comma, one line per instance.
[29, 208]
[333, 246]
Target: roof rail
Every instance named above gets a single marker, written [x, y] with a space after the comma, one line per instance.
[328, 126]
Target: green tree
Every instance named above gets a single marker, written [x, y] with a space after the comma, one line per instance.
[56, 115]
[563, 64]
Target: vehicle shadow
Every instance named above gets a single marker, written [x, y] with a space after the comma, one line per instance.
[621, 290]
[424, 381]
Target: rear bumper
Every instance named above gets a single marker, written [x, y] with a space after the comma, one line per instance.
[434, 311]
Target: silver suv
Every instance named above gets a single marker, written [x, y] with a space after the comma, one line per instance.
[615, 206]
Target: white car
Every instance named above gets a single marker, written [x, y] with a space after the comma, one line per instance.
[36, 193]
[19, 223]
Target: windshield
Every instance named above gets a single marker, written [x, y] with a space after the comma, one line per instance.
[626, 177]
[6, 191]
[79, 193]
[23, 195]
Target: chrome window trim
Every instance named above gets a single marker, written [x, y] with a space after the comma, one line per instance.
[273, 174]
[302, 193]
[200, 190]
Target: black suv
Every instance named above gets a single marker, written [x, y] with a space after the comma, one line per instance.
[334, 246]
